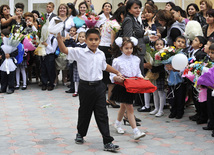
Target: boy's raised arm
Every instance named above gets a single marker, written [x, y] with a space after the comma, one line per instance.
[61, 44]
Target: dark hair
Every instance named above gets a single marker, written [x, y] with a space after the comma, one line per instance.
[104, 6]
[171, 4]
[5, 32]
[149, 9]
[20, 6]
[211, 40]
[82, 3]
[1, 9]
[72, 7]
[29, 14]
[202, 40]
[194, 5]
[211, 46]
[210, 13]
[36, 12]
[118, 12]
[165, 15]
[92, 31]
[121, 3]
[130, 3]
[179, 9]
[160, 39]
[116, 52]
[150, 1]
[160, 28]
[180, 37]
[64, 6]
[73, 27]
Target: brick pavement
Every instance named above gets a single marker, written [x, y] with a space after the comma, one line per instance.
[35, 122]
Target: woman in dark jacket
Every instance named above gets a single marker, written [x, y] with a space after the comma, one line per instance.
[131, 27]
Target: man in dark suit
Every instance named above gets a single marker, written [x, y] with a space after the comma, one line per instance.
[49, 8]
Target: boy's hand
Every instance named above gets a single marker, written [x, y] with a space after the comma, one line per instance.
[44, 43]
[118, 79]
[0, 56]
[7, 56]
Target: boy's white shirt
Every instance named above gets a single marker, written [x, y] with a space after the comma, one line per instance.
[51, 48]
[90, 65]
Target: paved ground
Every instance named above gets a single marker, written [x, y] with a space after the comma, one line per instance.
[35, 122]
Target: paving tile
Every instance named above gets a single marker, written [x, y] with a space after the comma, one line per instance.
[27, 128]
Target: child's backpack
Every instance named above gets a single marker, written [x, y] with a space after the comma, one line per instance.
[57, 52]
[21, 52]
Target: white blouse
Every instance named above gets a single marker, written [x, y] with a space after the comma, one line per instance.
[128, 66]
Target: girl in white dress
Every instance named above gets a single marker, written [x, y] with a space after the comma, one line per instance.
[129, 66]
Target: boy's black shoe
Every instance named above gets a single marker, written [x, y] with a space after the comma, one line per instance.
[10, 91]
[212, 133]
[2, 91]
[201, 121]
[194, 117]
[79, 139]
[111, 147]
[69, 91]
[50, 88]
[172, 116]
[44, 87]
[207, 128]
[179, 116]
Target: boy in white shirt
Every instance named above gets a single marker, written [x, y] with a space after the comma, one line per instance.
[90, 63]
[48, 71]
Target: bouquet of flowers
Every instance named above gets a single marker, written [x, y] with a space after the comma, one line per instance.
[195, 70]
[28, 45]
[42, 34]
[9, 46]
[207, 79]
[165, 55]
[90, 18]
[150, 58]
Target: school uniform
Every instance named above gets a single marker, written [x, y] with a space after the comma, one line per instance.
[8, 80]
[128, 66]
[48, 71]
[91, 90]
[201, 115]
[176, 94]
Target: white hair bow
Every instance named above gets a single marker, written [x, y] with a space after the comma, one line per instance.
[119, 41]
[134, 40]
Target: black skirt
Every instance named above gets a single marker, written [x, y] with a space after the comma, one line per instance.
[119, 94]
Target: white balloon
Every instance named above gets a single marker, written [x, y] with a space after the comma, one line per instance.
[179, 61]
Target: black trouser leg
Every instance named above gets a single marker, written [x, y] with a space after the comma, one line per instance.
[92, 98]
[11, 80]
[4, 81]
[51, 70]
[210, 108]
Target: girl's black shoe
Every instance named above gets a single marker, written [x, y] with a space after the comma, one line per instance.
[125, 119]
[114, 105]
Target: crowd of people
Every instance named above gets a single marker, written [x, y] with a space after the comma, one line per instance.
[120, 39]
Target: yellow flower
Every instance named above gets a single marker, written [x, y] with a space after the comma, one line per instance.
[173, 47]
[162, 54]
[196, 62]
